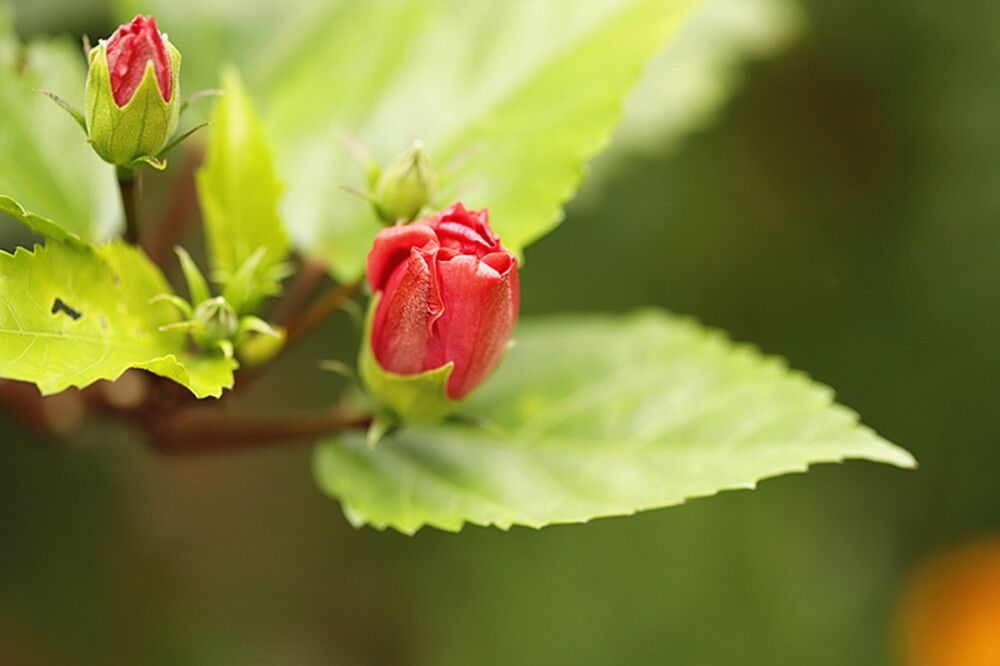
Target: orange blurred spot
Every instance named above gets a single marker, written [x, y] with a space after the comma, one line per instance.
[950, 614]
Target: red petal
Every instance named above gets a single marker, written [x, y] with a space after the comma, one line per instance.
[128, 50]
[465, 231]
[480, 309]
[410, 303]
[392, 248]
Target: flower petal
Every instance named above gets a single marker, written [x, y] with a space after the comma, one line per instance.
[411, 302]
[392, 247]
[480, 308]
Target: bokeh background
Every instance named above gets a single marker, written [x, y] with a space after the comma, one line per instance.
[834, 198]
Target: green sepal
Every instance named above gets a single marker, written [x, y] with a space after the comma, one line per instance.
[420, 398]
[226, 347]
[137, 132]
[252, 324]
[339, 368]
[211, 92]
[182, 306]
[192, 327]
[67, 107]
[197, 286]
[176, 141]
[382, 424]
[148, 160]
[240, 287]
[371, 167]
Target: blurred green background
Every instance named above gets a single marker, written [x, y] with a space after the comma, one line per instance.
[840, 209]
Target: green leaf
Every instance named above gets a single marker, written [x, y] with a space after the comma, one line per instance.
[50, 179]
[600, 416]
[526, 154]
[239, 191]
[71, 315]
[510, 99]
[40, 225]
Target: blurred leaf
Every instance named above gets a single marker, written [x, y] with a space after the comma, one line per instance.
[600, 416]
[72, 315]
[38, 224]
[510, 99]
[45, 162]
[239, 190]
[9, 45]
[697, 72]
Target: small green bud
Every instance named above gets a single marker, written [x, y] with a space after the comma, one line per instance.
[217, 321]
[406, 186]
[133, 94]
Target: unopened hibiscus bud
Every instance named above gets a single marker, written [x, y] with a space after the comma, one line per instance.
[446, 300]
[406, 186]
[217, 319]
[133, 93]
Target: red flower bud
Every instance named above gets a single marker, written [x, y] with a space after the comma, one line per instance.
[449, 295]
[132, 92]
[129, 49]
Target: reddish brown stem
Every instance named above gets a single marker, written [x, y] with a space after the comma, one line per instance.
[305, 285]
[320, 310]
[205, 430]
[25, 403]
[180, 211]
[128, 184]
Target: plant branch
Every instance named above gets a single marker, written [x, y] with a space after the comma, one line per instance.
[25, 403]
[205, 430]
[298, 325]
[177, 215]
[305, 285]
[320, 310]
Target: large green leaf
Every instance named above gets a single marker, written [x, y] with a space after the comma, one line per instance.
[239, 190]
[50, 179]
[600, 416]
[510, 99]
[71, 315]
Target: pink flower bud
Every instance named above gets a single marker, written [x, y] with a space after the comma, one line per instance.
[129, 49]
[449, 295]
[132, 92]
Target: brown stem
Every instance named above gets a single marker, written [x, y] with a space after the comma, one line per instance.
[128, 184]
[320, 310]
[300, 326]
[205, 430]
[177, 215]
[305, 285]
[25, 403]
